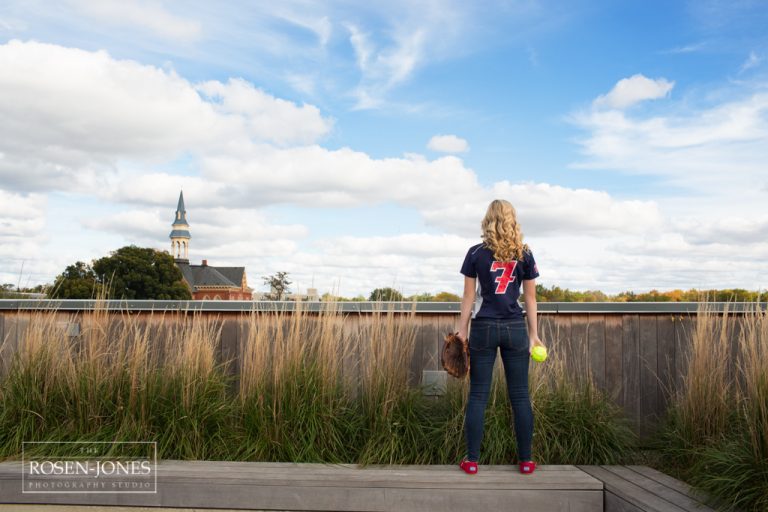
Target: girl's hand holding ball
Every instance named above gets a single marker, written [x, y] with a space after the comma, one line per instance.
[538, 350]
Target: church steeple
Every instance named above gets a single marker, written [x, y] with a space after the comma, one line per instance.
[181, 213]
[180, 234]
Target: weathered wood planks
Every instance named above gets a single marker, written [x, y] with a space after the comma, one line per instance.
[643, 489]
[286, 486]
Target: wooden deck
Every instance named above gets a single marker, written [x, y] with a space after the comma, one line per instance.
[300, 487]
[643, 489]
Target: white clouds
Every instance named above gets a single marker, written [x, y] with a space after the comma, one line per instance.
[632, 90]
[406, 37]
[732, 229]
[22, 233]
[446, 193]
[70, 115]
[752, 62]
[689, 48]
[150, 16]
[384, 68]
[315, 176]
[227, 233]
[556, 209]
[139, 225]
[92, 103]
[135, 134]
[717, 149]
[398, 62]
[361, 45]
[723, 147]
[12, 25]
[389, 41]
[292, 38]
[664, 260]
[156, 188]
[263, 116]
[321, 26]
[410, 244]
[547, 210]
[448, 144]
[714, 158]
[304, 83]
[21, 216]
[412, 263]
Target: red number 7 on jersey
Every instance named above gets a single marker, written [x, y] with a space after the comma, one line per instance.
[506, 277]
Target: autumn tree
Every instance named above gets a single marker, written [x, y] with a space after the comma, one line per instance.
[421, 297]
[385, 295]
[446, 297]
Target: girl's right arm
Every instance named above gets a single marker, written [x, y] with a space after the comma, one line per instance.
[467, 303]
[531, 312]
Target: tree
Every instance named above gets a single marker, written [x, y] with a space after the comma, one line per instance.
[12, 291]
[78, 281]
[137, 273]
[421, 297]
[8, 291]
[278, 286]
[446, 297]
[385, 294]
[128, 273]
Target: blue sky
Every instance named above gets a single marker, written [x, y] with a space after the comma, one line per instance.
[358, 146]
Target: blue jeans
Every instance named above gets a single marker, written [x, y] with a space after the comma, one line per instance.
[511, 336]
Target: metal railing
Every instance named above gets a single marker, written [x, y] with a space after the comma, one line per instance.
[363, 307]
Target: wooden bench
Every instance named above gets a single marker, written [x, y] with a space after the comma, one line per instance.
[643, 489]
[343, 487]
[347, 487]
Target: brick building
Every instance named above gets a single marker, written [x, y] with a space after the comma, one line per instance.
[205, 282]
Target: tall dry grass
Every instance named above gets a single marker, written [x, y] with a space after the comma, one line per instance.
[325, 387]
[717, 436]
[574, 421]
[753, 389]
[310, 387]
[397, 418]
[294, 402]
[703, 407]
[109, 383]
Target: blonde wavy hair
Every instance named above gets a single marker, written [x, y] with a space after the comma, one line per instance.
[501, 232]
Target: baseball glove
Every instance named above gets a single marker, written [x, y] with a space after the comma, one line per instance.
[455, 356]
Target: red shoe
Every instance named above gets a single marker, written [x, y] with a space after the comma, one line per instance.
[468, 466]
[527, 467]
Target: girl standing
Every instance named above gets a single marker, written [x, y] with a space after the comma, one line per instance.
[493, 271]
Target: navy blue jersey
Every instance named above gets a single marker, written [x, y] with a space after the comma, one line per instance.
[498, 282]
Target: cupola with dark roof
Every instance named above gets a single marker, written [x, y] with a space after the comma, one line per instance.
[205, 281]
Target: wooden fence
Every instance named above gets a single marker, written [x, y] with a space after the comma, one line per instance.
[636, 352]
